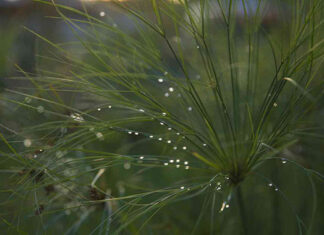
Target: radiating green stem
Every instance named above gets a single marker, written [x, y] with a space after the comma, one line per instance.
[241, 209]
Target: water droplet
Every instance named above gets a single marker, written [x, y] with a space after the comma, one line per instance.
[178, 133]
[184, 147]
[178, 160]
[136, 133]
[189, 109]
[127, 165]
[166, 94]
[102, 13]
[284, 161]
[186, 163]
[151, 136]
[161, 123]
[99, 109]
[169, 141]
[198, 47]
[76, 117]
[187, 167]
[166, 163]
[177, 166]
[275, 105]
[276, 189]
[40, 109]
[270, 185]
[165, 73]
[171, 89]
[164, 114]
[227, 206]
[27, 143]
[160, 139]
[130, 132]
[160, 80]
[169, 129]
[222, 207]
[109, 106]
[204, 145]
[28, 100]
[141, 110]
[141, 157]
[182, 187]
[175, 148]
[100, 136]
[171, 161]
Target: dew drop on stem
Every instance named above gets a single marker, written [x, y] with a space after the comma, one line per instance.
[28, 100]
[40, 109]
[100, 136]
[27, 143]
[127, 165]
[76, 117]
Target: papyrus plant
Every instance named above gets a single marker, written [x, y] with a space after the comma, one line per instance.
[178, 103]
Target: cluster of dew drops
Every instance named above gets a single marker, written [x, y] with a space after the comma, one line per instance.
[177, 163]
